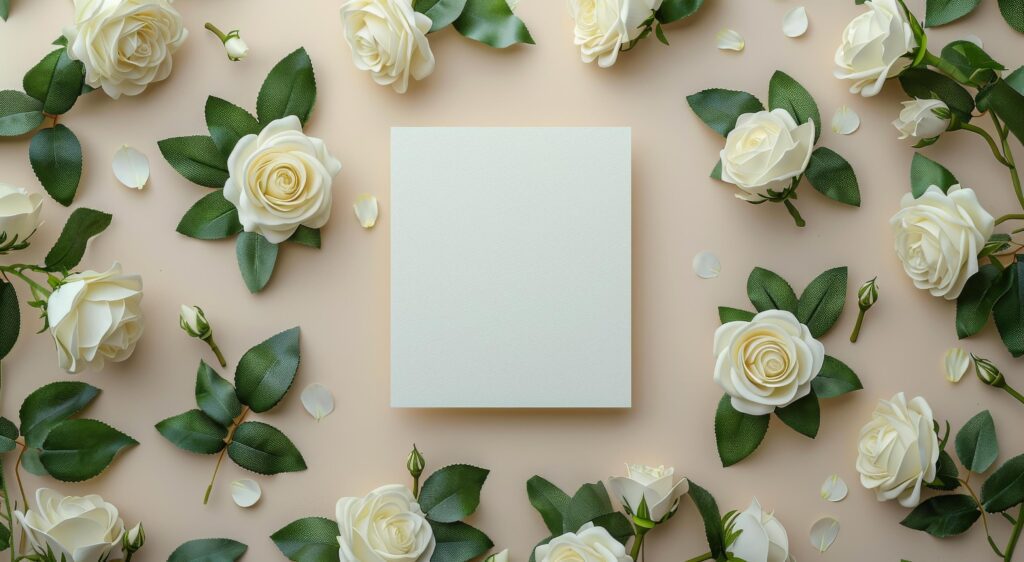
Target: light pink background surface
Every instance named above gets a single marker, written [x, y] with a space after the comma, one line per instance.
[339, 294]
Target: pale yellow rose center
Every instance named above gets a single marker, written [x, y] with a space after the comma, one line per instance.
[766, 359]
[279, 180]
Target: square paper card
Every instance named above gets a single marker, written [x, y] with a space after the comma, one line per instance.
[510, 267]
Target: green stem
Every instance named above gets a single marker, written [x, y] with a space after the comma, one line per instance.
[416, 487]
[984, 517]
[638, 543]
[1011, 217]
[1013, 392]
[946, 67]
[17, 271]
[220, 458]
[216, 350]
[213, 29]
[1004, 135]
[988, 138]
[1015, 536]
[856, 327]
[701, 558]
[793, 212]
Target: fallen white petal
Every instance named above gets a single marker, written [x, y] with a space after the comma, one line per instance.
[318, 401]
[131, 167]
[834, 489]
[956, 363]
[974, 39]
[366, 210]
[246, 492]
[824, 533]
[729, 40]
[795, 22]
[845, 121]
[706, 265]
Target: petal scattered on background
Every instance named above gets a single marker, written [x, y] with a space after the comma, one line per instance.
[246, 492]
[834, 489]
[366, 210]
[318, 401]
[131, 167]
[706, 265]
[795, 22]
[824, 533]
[845, 121]
[729, 40]
[956, 362]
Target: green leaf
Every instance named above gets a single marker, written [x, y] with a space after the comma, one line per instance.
[588, 503]
[5, 9]
[492, 22]
[208, 550]
[56, 81]
[263, 449]
[1004, 488]
[194, 431]
[978, 297]
[1006, 102]
[1013, 13]
[946, 474]
[266, 372]
[215, 396]
[197, 159]
[617, 525]
[675, 10]
[923, 83]
[822, 302]
[976, 443]
[256, 259]
[56, 158]
[768, 291]
[716, 173]
[714, 529]
[737, 434]
[458, 542]
[833, 176]
[305, 236]
[8, 434]
[228, 123]
[211, 218]
[719, 109]
[310, 539]
[726, 314]
[941, 12]
[980, 68]
[51, 404]
[804, 415]
[834, 379]
[550, 501]
[944, 516]
[1009, 309]
[82, 225]
[441, 12]
[925, 173]
[290, 89]
[452, 493]
[786, 93]
[77, 450]
[10, 318]
[19, 113]
[1015, 80]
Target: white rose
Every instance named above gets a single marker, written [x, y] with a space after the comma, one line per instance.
[125, 45]
[898, 450]
[655, 484]
[389, 39]
[281, 179]
[874, 47]
[938, 237]
[193, 321]
[765, 152]
[236, 48]
[762, 537]
[19, 214]
[766, 363]
[589, 544]
[76, 529]
[385, 526]
[921, 119]
[603, 27]
[95, 317]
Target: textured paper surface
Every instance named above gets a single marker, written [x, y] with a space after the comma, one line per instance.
[510, 267]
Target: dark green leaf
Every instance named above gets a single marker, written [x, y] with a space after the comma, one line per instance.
[925, 173]
[228, 123]
[19, 113]
[197, 159]
[716, 173]
[1015, 80]
[492, 22]
[674, 10]
[1004, 488]
[833, 176]
[263, 449]
[211, 218]
[194, 431]
[713, 526]
[5, 9]
[976, 443]
[8, 433]
[768, 291]
[1013, 13]
[208, 550]
[804, 415]
[617, 525]
[82, 225]
[458, 542]
[306, 236]
[726, 314]
[550, 501]
[946, 474]
[256, 259]
[77, 450]
[822, 302]
[56, 81]
[290, 89]
[588, 503]
[1006, 103]
[452, 493]
[51, 404]
[980, 68]
[720, 109]
[10, 318]
[923, 83]
[978, 297]
[266, 372]
[215, 396]
[944, 516]
[56, 158]
[737, 434]
[786, 93]
[441, 12]
[310, 539]
[1009, 309]
[834, 379]
[941, 12]
[31, 463]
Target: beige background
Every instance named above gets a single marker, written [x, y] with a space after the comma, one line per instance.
[339, 295]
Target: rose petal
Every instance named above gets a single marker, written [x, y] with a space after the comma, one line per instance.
[824, 533]
[706, 265]
[795, 22]
[318, 401]
[845, 121]
[729, 40]
[246, 492]
[131, 167]
[366, 210]
[956, 362]
[834, 489]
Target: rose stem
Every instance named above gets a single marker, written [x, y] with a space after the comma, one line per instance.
[701, 558]
[216, 351]
[220, 459]
[1010, 546]
[1014, 174]
[856, 327]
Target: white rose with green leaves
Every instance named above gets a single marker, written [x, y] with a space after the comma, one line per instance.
[765, 151]
[762, 537]
[874, 47]
[388, 39]
[589, 544]
[655, 485]
[73, 528]
[898, 450]
[385, 526]
[922, 119]
[19, 214]
[604, 27]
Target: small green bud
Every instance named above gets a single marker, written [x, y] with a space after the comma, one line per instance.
[134, 538]
[415, 463]
[193, 321]
[867, 295]
[987, 372]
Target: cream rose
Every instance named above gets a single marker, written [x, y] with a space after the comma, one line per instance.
[19, 214]
[766, 363]
[938, 237]
[95, 317]
[655, 484]
[385, 526]
[280, 180]
[765, 152]
[589, 544]
[76, 529]
[604, 27]
[125, 45]
[389, 39]
[762, 537]
[874, 47]
[898, 450]
[922, 119]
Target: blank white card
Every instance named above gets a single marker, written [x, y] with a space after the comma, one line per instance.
[510, 267]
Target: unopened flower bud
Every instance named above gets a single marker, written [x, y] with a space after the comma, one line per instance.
[867, 295]
[193, 321]
[134, 538]
[236, 47]
[415, 463]
[987, 372]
